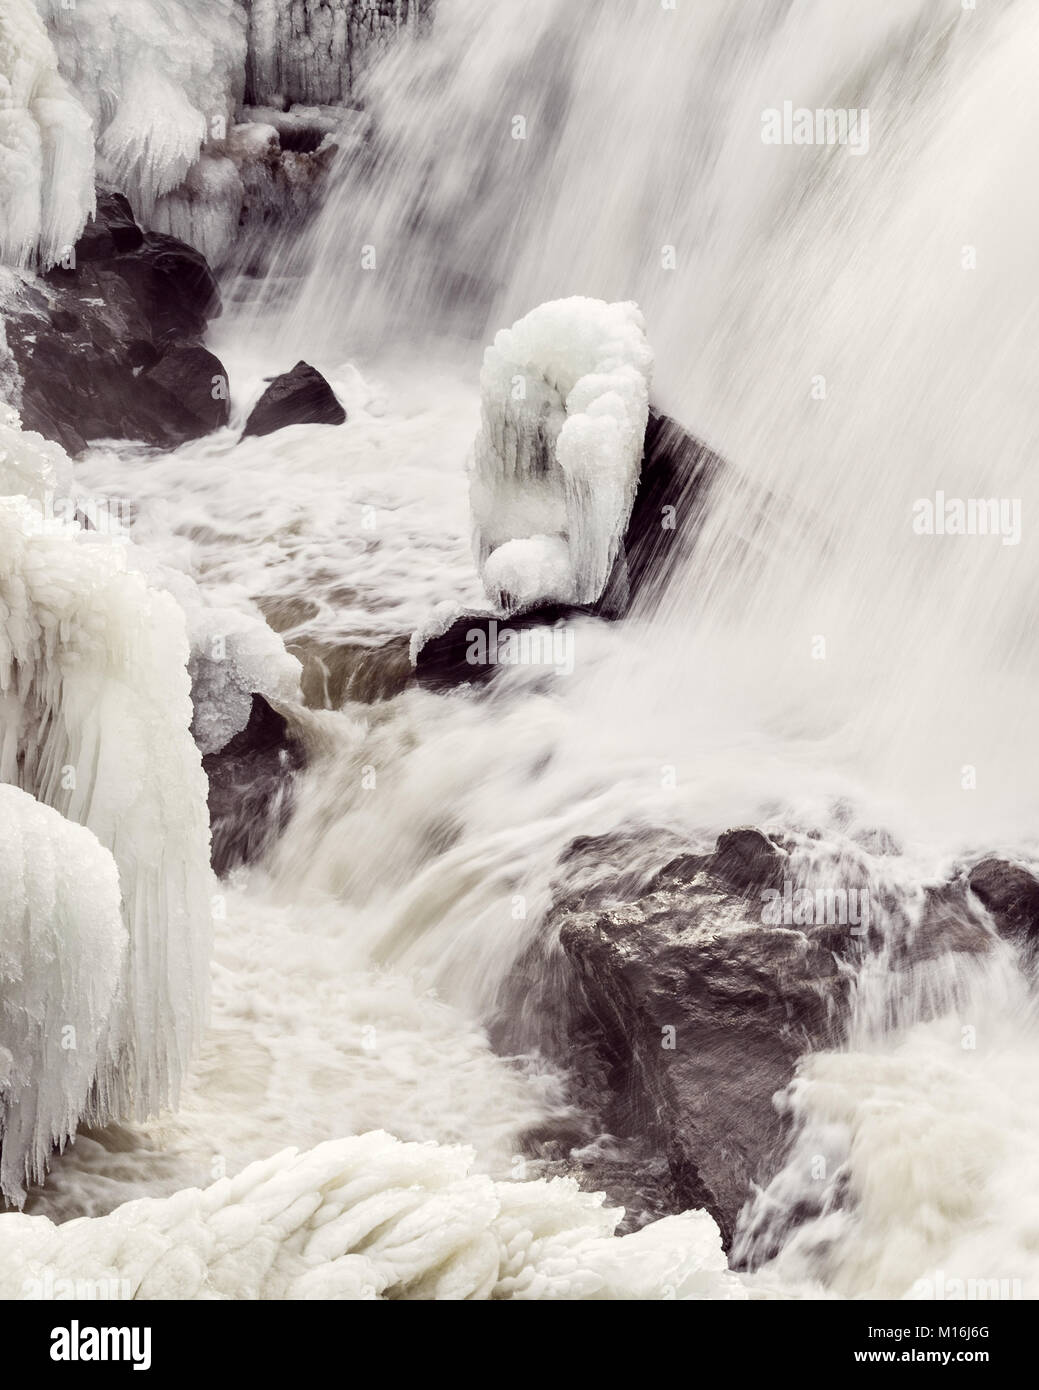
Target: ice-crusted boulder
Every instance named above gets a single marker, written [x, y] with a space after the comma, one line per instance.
[583, 497]
[94, 721]
[62, 949]
[46, 145]
[370, 1218]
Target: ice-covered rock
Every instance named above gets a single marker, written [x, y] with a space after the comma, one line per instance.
[564, 405]
[95, 706]
[62, 948]
[46, 145]
[369, 1218]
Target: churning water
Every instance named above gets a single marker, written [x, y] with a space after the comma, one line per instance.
[851, 330]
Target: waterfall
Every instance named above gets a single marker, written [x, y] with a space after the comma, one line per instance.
[843, 656]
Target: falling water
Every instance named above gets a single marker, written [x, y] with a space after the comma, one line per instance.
[851, 331]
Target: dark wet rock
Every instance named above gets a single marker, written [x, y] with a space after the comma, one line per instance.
[193, 378]
[111, 230]
[463, 652]
[108, 346]
[1011, 895]
[677, 470]
[250, 787]
[299, 397]
[679, 1013]
[173, 284]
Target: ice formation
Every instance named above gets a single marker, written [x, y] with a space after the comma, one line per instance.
[62, 946]
[46, 145]
[96, 711]
[30, 466]
[161, 81]
[368, 1217]
[313, 50]
[564, 404]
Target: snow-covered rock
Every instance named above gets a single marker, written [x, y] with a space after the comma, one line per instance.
[369, 1218]
[62, 947]
[564, 405]
[46, 145]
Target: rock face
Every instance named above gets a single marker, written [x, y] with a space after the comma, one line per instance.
[677, 470]
[299, 397]
[685, 1013]
[1011, 895]
[250, 787]
[110, 346]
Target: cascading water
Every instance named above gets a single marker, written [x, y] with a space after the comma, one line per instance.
[851, 331]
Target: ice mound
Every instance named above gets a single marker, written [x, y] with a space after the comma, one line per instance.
[94, 721]
[370, 1217]
[62, 946]
[564, 406]
[46, 145]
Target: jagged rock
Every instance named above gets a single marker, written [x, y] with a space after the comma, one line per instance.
[108, 346]
[1011, 895]
[111, 231]
[250, 787]
[677, 470]
[680, 1013]
[299, 397]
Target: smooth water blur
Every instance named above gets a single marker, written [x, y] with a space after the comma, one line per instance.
[816, 665]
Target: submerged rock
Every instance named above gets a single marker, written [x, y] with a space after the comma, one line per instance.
[250, 787]
[299, 397]
[109, 346]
